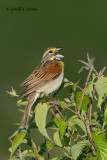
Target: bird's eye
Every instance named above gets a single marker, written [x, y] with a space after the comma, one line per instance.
[50, 51]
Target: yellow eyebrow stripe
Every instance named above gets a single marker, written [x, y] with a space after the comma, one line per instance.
[47, 51]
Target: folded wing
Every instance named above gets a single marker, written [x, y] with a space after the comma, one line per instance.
[40, 76]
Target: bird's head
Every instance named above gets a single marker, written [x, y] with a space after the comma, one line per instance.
[52, 54]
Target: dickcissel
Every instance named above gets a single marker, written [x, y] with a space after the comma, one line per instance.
[45, 79]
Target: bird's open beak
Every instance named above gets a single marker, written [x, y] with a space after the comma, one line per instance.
[58, 49]
[59, 55]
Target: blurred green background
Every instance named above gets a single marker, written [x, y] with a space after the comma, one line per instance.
[78, 26]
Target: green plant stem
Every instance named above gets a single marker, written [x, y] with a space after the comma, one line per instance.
[90, 136]
[95, 71]
[79, 135]
[59, 111]
[59, 121]
[68, 124]
[54, 115]
[68, 131]
[10, 140]
[71, 137]
[20, 151]
[52, 98]
[90, 108]
[77, 86]
[29, 124]
[87, 127]
[84, 89]
[87, 64]
[88, 131]
[48, 156]
[76, 143]
[33, 146]
[70, 109]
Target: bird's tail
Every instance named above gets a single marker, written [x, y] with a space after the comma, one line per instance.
[31, 99]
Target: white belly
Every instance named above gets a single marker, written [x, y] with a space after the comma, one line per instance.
[52, 85]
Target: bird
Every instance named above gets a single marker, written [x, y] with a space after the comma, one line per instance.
[46, 78]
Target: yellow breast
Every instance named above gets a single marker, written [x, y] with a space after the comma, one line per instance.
[62, 64]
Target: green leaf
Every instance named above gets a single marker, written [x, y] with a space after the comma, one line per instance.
[77, 148]
[62, 125]
[101, 89]
[66, 141]
[21, 110]
[27, 141]
[14, 158]
[101, 86]
[21, 103]
[74, 128]
[84, 102]
[105, 114]
[92, 158]
[40, 118]
[10, 149]
[57, 158]
[46, 146]
[20, 129]
[98, 137]
[12, 93]
[32, 154]
[89, 89]
[25, 152]
[57, 139]
[88, 65]
[101, 146]
[82, 68]
[17, 141]
[75, 121]
[101, 150]
[41, 158]
[67, 82]
[67, 100]
[62, 104]
[72, 91]
[49, 145]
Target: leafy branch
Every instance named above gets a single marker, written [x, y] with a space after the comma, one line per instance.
[78, 123]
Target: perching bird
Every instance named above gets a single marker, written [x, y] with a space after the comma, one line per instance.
[45, 79]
